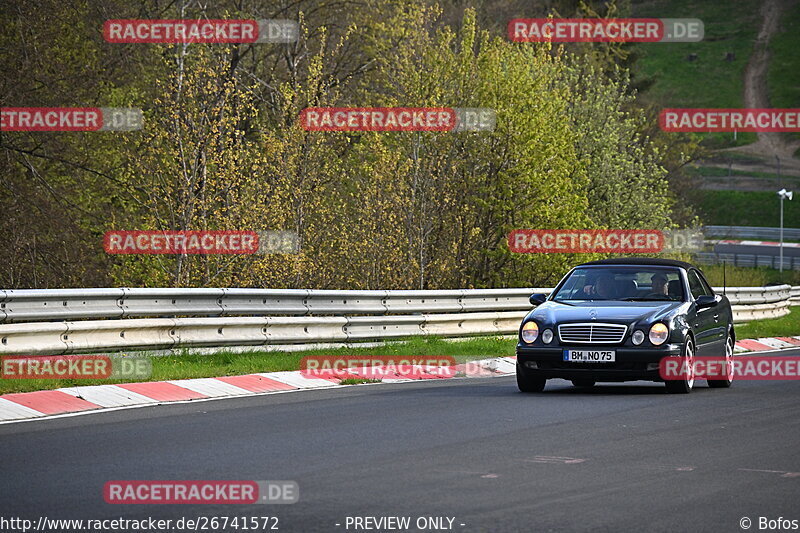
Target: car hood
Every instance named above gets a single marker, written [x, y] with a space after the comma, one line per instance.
[603, 311]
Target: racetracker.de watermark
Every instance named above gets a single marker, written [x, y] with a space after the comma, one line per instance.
[75, 367]
[278, 242]
[200, 492]
[747, 120]
[538, 241]
[381, 367]
[185, 31]
[453, 119]
[598, 30]
[201, 242]
[376, 366]
[70, 119]
[740, 367]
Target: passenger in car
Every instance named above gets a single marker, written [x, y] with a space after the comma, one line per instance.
[658, 282]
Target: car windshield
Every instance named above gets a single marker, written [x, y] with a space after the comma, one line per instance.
[634, 283]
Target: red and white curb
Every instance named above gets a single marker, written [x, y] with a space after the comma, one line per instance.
[765, 344]
[69, 401]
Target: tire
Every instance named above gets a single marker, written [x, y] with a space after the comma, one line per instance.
[583, 383]
[684, 386]
[527, 383]
[725, 383]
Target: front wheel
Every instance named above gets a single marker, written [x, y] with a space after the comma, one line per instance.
[527, 383]
[725, 382]
[686, 383]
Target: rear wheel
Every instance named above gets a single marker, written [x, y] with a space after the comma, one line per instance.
[725, 382]
[685, 384]
[528, 383]
[583, 382]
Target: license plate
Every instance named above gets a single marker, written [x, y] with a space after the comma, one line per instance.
[590, 356]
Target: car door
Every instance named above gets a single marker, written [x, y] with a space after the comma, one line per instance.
[719, 328]
[703, 321]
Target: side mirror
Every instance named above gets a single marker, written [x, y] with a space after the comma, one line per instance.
[538, 298]
[705, 301]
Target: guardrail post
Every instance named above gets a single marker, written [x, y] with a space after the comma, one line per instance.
[3, 296]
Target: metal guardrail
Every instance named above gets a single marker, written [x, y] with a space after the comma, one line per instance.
[751, 232]
[53, 338]
[758, 295]
[75, 304]
[748, 260]
[309, 316]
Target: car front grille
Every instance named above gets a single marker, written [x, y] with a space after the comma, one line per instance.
[591, 333]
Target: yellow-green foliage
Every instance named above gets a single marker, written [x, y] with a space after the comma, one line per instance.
[222, 149]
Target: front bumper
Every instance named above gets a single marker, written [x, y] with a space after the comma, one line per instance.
[631, 362]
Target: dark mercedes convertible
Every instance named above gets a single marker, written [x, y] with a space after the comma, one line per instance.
[615, 319]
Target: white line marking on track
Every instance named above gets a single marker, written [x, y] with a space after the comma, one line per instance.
[555, 460]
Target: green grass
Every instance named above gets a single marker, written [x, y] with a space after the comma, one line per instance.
[785, 326]
[783, 76]
[709, 81]
[717, 172]
[725, 139]
[358, 381]
[743, 158]
[741, 208]
[749, 277]
[189, 365]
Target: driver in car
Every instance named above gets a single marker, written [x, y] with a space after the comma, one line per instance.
[603, 287]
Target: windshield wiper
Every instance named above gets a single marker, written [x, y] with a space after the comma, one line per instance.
[643, 299]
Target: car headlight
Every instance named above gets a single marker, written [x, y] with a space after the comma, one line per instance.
[658, 333]
[530, 330]
[547, 336]
[638, 337]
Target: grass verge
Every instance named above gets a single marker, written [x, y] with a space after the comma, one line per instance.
[188, 365]
[785, 326]
[749, 277]
[719, 172]
[738, 208]
[358, 381]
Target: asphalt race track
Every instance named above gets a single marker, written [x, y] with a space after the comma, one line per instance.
[623, 457]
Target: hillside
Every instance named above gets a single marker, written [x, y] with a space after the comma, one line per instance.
[748, 58]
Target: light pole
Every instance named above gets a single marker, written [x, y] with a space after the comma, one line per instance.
[783, 193]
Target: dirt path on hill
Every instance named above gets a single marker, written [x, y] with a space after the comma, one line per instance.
[756, 94]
